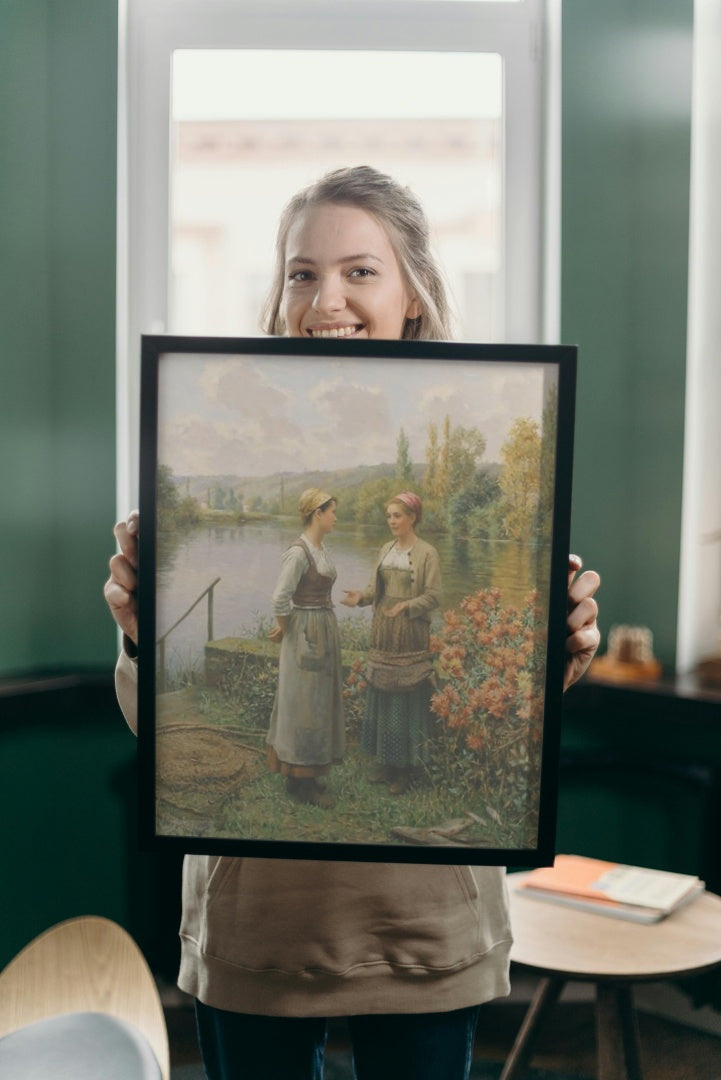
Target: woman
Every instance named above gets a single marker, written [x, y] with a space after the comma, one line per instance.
[404, 590]
[270, 949]
[306, 728]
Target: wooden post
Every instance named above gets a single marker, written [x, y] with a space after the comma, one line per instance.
[210, 612]
[160, 668]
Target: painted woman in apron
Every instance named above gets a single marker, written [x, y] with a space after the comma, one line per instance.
[306, 733]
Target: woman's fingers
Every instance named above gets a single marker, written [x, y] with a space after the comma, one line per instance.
[121, 587]
[582, 607]
[575, 563]
[123, 606]
[126, 534]
[582, 633]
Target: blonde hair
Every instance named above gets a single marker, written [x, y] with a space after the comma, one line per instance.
[402, 216]
[313, 499]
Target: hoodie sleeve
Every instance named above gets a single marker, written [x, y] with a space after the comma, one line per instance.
[126, 688]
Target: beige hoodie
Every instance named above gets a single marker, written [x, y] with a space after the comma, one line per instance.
[297, 938]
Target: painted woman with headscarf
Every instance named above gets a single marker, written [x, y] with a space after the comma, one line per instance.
[306, 734]
[404, 589]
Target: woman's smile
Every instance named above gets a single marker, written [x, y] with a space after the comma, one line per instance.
[342, 277]
[335, 331]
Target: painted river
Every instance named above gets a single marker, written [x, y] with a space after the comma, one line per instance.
[246, 558]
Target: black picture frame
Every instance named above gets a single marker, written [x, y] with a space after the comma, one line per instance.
[232, 430]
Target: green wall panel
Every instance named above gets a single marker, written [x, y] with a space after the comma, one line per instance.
[62, 787]
[625, 167]
[58, 77]
[69, 801]
[26, 483]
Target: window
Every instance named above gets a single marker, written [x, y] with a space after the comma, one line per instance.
[227, 107]
[236, 161]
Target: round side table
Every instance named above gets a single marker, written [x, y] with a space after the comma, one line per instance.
[563, 944]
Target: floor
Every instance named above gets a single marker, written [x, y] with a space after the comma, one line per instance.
[669, 1050]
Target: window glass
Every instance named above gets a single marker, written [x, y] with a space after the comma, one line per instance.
[237, 156]
[226, 108]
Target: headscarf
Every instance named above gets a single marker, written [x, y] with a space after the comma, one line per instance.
[411, 501]
[311, 499]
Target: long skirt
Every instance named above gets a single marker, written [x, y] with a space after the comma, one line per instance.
[397, 725]
[307, 732]
[397, 722]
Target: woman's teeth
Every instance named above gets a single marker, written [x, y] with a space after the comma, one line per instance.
[337, 331]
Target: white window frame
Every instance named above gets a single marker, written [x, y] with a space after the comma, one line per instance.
[525, 34]
[699, 597]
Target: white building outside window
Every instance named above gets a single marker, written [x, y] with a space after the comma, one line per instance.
[227, 107]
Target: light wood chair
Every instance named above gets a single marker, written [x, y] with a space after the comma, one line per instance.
[84, 965]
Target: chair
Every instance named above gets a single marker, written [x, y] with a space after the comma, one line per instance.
[79, 1002]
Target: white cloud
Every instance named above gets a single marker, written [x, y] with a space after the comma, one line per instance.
[231, 416]
[237, 384]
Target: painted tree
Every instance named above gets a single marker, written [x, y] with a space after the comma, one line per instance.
[372, 498]
[548, 458]
[466, 447]
[404, 467]
[167, 496]
[443, 476]
[475, 509]
[520, 478]
[429, 481]
[453, 462]
[174, 511]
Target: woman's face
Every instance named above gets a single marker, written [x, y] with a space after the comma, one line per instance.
[326, 519]
[400, 521]
[342, 277]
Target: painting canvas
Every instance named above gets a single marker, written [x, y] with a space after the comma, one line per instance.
[316, 682]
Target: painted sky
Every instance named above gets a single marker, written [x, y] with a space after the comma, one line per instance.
[258, 415]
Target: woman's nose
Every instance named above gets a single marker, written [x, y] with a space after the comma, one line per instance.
[329, 296]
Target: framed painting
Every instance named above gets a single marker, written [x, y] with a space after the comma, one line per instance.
[352, 597]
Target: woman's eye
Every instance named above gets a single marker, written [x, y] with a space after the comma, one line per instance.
[362, 272]
[300, 276]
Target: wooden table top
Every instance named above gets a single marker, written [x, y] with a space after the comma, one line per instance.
[560, 940]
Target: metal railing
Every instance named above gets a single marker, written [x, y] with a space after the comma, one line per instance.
[160, 643]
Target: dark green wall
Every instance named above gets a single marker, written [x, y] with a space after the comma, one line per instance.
[68, 804]
[640, 778]
[66, 759]
[625, 203]
[58, 74]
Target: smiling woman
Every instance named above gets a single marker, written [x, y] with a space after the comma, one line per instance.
[353, 259]
[330, 292]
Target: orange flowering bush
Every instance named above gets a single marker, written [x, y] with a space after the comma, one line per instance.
[490, 666]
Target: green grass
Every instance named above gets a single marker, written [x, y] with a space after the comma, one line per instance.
[364, 813]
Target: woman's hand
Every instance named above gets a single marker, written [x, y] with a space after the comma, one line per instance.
[278, 631]
[352, 597]
[583, 635]
[122, 585]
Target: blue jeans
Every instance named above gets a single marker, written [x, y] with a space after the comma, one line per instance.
[415, 1046]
